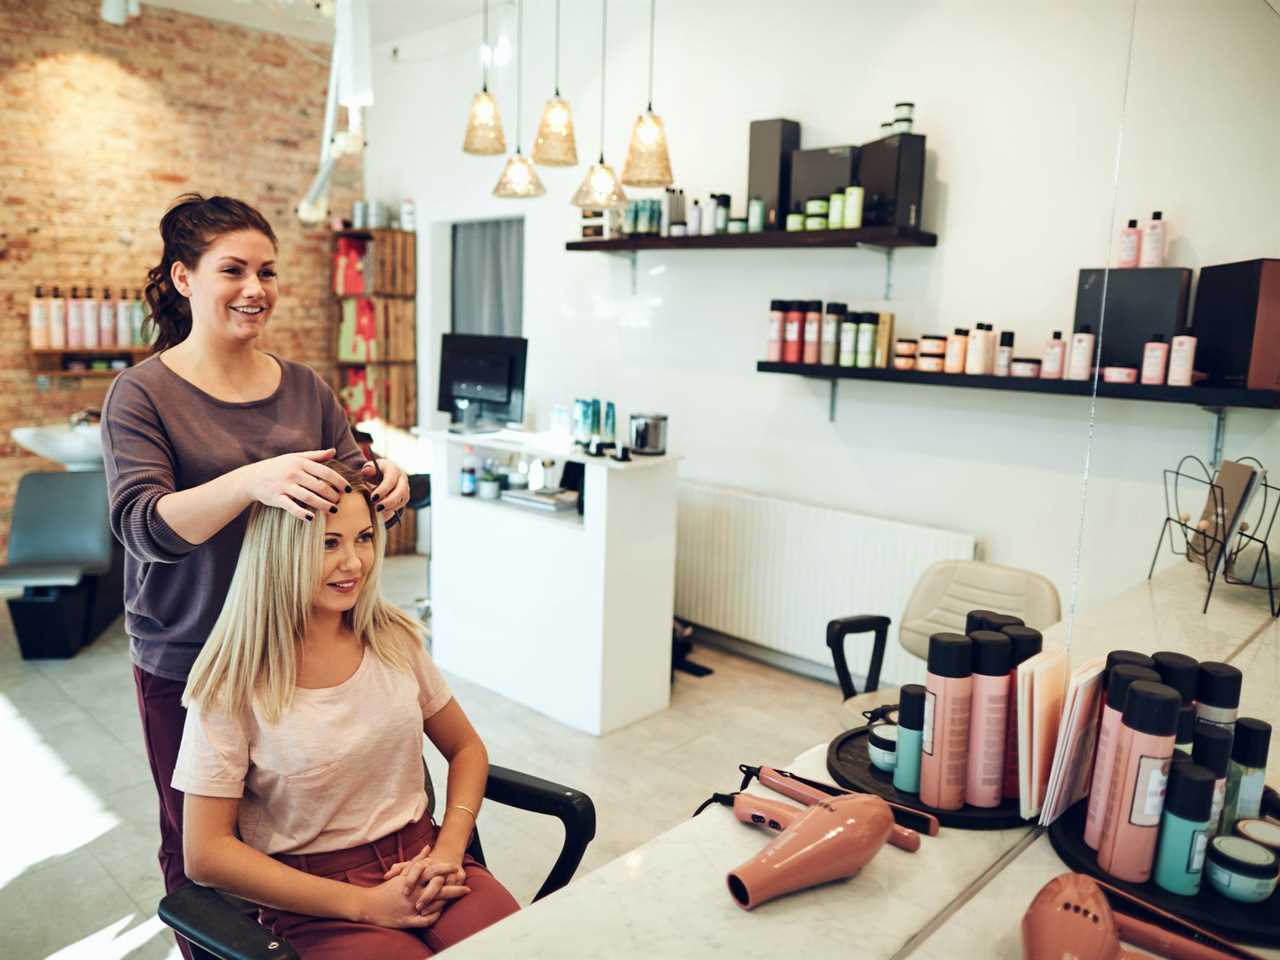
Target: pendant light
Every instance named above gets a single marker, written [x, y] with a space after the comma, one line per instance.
[648, 164]
[484, 124]
[519, 179]
[600, 189]
[554, 145]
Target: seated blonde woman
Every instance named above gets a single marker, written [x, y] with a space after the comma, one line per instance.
[301, 759]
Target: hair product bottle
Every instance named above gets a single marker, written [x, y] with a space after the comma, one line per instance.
[1183, 829]
[1004, 355]
[38, 320]
[957, 348]
[75, 320]
[1027, 642]
[1155, 360]
[1055, 356]
[1119, 679]
[106, 320]
[1218, 693]
[1080, 361]
[812, 331]
[944, 751]
[1182, 360]
[911, 701]
[1144, 746]
[777, 309]
[1130, 246]
[124, 325]
[1247, 773]
[792, 331]
[57, 320]
[831, 321]
[1181, 672]
[90, 319]
[988, 718]
[866, 346]
[1155, 242]
[1211, 749]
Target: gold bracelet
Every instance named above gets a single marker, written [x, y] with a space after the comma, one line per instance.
[463, 806]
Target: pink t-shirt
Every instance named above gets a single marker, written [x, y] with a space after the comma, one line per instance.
[342, 767]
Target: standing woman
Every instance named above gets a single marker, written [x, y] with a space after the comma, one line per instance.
[194, 435]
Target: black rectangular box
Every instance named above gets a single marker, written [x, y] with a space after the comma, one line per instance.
[769, 167]
[1139, 303]
[1237, 324]
[821, 172]
[891, 174]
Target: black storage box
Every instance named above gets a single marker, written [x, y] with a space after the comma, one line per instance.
[891, 173]
[821, 172]
[1140, 302]
[1237, 324]
[769, 167]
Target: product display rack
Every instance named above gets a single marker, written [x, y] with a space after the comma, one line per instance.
[887, 237]
[48, 361]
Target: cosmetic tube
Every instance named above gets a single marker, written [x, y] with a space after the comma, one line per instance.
[777, 314]
[812, 331]
[1004, 355]
[831, 321]
[1027, 642]
[988, 718]
[1183, 836]
[1247, 774]
[1130, 246]
[866, 346]
[1119, 679]
[957, 347]
[1218, 693]
[1155, 360]
[1182, 359]
[1211, 749]
[944, 752]
[792, 331]
[1055, 357]
[906, 775]
[1080, 359]
[849, 340]
[1143, 748]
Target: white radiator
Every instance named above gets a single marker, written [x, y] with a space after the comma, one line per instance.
[775, 572]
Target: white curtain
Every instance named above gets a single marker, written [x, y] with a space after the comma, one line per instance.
[488, 277]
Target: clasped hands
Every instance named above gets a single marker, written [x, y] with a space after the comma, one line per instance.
[419, 889]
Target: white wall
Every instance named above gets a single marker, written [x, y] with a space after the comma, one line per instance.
[1023, 104]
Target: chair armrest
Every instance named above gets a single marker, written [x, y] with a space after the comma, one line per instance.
[573, 808]
[213, 923]
[837, 630]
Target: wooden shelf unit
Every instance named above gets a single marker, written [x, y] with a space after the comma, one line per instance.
[48, 361]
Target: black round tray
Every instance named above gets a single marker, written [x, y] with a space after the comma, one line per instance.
[1254, 923]
[850, 766]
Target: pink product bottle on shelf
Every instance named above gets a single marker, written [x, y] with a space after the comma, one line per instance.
[832, 320]
[792, 331]
[106, 320]
[1155, 242]
[944, 751]
[777, 312]
[1027, 642]
[1182, 359]
[1080, 360]
[124, 320]
[812, 331]
[90, 319]
[1143, 751]
[57, 320]
[957, 351]
[1130, 246]
[38, 321]
[75, 320]
[1119, 679]
[1055, 358]
[1155, 360]
[988, 719]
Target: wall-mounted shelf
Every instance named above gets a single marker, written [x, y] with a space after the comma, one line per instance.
[374, 363]
[887, 237]
[78, 373]
[92, 352]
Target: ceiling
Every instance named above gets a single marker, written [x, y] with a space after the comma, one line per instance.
[304, 20]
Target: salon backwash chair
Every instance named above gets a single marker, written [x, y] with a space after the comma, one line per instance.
[63, 556]
[940, 602]
[222, 928]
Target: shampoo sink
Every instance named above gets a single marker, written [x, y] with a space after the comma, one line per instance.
[76, 447]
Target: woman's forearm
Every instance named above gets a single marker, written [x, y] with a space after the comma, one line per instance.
[200, 512]
[468, 774]
[232, 865]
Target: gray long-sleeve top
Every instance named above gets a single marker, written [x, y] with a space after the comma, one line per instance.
[161, 434]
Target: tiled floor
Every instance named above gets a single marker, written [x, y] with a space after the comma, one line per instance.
[78, 873]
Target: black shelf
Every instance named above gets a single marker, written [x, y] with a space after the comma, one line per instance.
[1214, 397]
[886, 237]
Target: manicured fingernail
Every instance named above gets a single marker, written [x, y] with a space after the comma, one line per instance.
[310, 518]
[333, 509]
[375, 498]
[380, 506]
[348, 490]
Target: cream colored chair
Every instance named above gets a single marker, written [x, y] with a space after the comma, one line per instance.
[941, 601]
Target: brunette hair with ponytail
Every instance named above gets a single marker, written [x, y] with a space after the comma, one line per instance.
[189, 227]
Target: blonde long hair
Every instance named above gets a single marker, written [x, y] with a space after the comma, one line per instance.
[251, 655]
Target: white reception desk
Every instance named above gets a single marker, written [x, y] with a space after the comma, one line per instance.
[568, 615]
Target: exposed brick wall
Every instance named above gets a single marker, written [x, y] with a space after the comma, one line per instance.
[102, 127]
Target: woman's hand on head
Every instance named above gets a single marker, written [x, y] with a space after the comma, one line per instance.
[387, 904]
[392, 491]
[297, 482]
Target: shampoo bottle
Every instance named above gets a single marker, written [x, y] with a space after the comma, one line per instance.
[1055, 356]
[124, 320]
[988, 718]
[75, 320]
[944, 751]
[1182, 359]
[957, 348]
[38, 320]
[1130, 245]
[1247, 773]
[1080, 362]
[90, 319]
[57, 320]
[812, 332]
[1218, 692]
[106, 320]
[1004, 355]
[1211, 749]
[1183, 829]
[906, 773]
[1119, 679]
[1027, 642]
[1155, 241]
[1155, 360]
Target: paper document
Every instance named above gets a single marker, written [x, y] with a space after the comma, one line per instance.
[1042, 688]
[1072, 769]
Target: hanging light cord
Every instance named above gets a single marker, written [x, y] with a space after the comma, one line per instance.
[519, 68]
[652, 4]
[484, 46]
[604, 21]
[557, 48]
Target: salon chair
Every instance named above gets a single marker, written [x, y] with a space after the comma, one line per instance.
[63, 556]
[221, 927]
[942, 598]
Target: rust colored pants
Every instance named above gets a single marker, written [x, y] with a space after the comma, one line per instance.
[323, 939]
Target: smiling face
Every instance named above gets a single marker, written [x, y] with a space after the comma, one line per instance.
[348, 555]
[232, 290]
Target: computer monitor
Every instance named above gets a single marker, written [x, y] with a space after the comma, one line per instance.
[482, 381]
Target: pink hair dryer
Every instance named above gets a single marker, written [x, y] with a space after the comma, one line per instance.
[831, 840]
